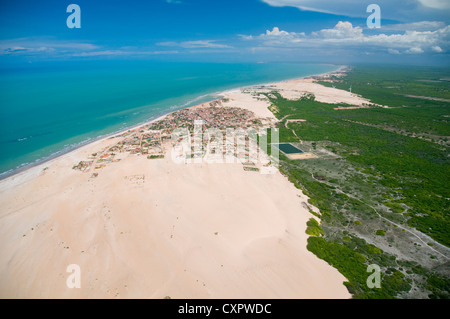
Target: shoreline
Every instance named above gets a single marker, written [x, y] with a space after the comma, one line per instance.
[219, 94]
[87, 142]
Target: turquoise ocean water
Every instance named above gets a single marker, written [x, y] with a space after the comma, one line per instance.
[49, 109]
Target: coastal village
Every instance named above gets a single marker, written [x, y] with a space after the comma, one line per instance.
[154, 139]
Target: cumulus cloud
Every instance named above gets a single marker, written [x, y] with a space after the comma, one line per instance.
[276, 32]
[346, 36]
[342, 30]
[276, 37]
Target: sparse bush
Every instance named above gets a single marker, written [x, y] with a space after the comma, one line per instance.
[380, 232]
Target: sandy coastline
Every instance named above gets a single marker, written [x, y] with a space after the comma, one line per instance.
[153, 228]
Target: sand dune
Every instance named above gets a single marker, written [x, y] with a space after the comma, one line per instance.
[294, 89]
[237, 98]
[291, 90]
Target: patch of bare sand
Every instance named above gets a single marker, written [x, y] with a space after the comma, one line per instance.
[294, 89]
[245, 100]
[152, 228]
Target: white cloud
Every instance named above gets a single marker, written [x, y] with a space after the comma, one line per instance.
[415, 26]
[276, 32]
[436, 4]
[414, 50]
[46, 46]
[437, 49]
[36, 45]
[403, 10]
[195, 44]
[342, 30]
[99, 53]
[300, 4]
[393, 51]
[346, 36]
[15, 49]
[277, 37]
[245, 37]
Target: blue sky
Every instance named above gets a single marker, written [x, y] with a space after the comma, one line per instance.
[333, 31]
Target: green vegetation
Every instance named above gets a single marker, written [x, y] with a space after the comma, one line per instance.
[439, 286]
[396, 208]
[353, 266]
[382, 174]
[155, 156]
[313, 228]
[380, 232]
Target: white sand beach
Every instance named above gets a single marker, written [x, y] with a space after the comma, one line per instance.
[152, 228]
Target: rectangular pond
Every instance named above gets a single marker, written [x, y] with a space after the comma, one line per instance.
[288, 148]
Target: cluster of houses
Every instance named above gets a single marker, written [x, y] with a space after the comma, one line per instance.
[83, 166]
[212, 117]
[149, 140]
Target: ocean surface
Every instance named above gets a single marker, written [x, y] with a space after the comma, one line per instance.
[52, 108]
